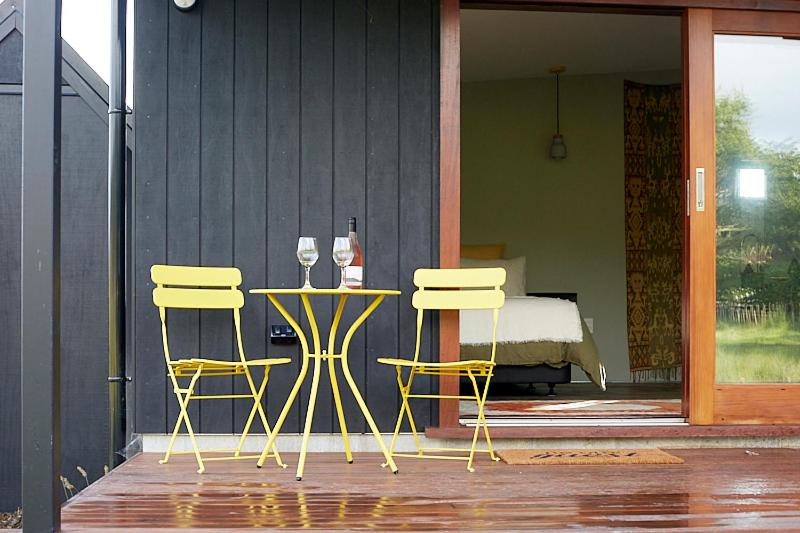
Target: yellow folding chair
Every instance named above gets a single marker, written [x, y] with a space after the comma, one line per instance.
[188, 287]
[479, 289]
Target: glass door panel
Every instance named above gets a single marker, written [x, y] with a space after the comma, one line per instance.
[757, 98]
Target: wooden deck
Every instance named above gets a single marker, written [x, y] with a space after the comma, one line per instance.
[713, 490]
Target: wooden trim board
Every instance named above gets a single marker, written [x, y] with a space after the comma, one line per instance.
[699, 86]
[449, 191]
[632, 432]
[766, 403]
[638, 6]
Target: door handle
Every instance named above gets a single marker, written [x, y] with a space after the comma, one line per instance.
[700, 189]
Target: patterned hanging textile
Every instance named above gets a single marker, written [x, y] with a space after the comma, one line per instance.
[654, 229]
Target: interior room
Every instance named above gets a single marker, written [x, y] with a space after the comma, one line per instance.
[571, 179]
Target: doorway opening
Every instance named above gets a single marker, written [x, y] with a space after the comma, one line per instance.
[572, 180]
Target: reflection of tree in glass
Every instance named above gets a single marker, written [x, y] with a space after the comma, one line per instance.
[758, 240]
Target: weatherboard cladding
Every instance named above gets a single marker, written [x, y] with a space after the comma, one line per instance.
[260, 121]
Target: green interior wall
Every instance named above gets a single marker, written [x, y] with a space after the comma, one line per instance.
[567, 217]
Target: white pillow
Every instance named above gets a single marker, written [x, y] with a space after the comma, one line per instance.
[515, 272]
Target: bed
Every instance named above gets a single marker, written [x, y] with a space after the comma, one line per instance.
[540, 335]
[546, 362]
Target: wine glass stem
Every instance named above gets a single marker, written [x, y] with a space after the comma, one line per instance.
[308, 277]
[343, 284]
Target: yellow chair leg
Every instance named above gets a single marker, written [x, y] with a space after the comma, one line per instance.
[268, 431]
[489, 446]
[183, 403]
[175, 431]
[253, 410]
[412, 424]
[482, 418]
[405, 409]
[480, 399]
[399, 417]
[399, 420]
[312, 402]
[337, 398]
[477, 425]
[257, 407]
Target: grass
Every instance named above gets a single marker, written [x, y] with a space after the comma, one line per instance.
[11, 520]
[766, 353]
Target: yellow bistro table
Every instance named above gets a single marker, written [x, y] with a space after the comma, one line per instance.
[318, 355]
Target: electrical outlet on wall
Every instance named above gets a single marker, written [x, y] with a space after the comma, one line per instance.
[589, 324]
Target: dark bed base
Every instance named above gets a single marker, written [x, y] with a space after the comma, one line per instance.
[533, 374]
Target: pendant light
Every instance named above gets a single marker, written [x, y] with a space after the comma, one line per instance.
[558, 150]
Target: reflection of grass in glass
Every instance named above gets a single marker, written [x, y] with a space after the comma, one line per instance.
[748, 353]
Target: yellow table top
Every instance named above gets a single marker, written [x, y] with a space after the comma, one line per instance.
[353, 292]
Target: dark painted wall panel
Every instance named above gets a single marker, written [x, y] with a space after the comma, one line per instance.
[84, 298]
[349, 164]
[183, 176]
[216, 191]
[250, 181]
[150, 239]
[267, 120]
[84, 326]
[415, 162]
[382, 200]
[10, 181]
[316, 172]
[283, 187]
[11, 58]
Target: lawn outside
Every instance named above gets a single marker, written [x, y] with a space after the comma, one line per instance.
[758, 353]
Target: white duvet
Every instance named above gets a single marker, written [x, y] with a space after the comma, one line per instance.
[524, 319]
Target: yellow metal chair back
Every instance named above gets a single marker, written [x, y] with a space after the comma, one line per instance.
[206, 288]
[479, 288]
[451, 289]
[186, 287]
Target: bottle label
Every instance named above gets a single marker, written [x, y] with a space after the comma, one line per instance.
[353, 276]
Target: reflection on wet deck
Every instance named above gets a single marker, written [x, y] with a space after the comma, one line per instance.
[714, 489]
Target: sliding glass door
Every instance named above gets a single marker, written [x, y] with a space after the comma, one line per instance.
[745, 215]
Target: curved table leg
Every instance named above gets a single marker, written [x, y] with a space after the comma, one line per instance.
[312, 402]
[351, 382]
[372, 426]
[298, 382]
[337, 397]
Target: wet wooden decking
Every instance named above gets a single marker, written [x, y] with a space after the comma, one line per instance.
[713, 490]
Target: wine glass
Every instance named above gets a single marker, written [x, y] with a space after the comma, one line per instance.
[307, 254]
[342, 255]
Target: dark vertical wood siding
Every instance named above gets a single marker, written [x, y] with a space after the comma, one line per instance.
[257, 122]
[11, 59]
[10, 203]
[84, 295]
[84, 326]
[150, 238]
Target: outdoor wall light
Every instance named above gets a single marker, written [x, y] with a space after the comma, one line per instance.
[752, 183]
[558, 150]
[185, 5]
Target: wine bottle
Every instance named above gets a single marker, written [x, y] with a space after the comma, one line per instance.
[354, 273]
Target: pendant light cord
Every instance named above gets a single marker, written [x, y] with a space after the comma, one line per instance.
[558, 105]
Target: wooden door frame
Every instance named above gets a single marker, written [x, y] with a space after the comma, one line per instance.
[714, 403]
[697, 18]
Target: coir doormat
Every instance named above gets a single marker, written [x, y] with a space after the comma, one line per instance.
[589, 456]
